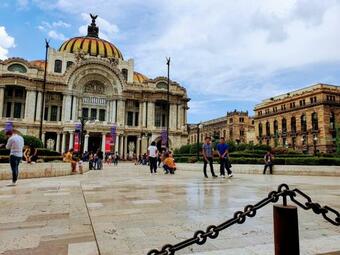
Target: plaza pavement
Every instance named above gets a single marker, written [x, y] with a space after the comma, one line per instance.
[125, 210]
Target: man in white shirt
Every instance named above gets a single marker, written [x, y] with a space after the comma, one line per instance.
[15, 144]
[153, 154]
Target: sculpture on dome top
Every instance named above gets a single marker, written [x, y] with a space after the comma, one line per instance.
[93, 30]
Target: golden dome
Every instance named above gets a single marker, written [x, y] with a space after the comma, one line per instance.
[139, 78]
[91, 44]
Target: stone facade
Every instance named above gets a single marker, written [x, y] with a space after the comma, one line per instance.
[89, 83]
[236, 126]
[304, 120]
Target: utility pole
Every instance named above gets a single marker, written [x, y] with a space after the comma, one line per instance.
[43, 94]
[168, 104]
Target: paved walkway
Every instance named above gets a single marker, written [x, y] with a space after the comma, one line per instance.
[125, 210]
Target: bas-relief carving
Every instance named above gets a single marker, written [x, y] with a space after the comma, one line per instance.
[94, 87]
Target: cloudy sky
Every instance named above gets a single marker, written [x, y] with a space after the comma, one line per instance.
[228, 54]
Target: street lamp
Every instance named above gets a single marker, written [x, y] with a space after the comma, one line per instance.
[286, 144]
[315, 139]
[199, 126]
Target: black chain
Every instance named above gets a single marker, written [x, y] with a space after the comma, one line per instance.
[212, 231]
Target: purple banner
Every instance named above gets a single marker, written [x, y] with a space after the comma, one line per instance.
[8, 126]
[164, 137]
[113, 134]
[78, 127]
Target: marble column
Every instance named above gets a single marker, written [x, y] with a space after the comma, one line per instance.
[63, 142]
[125, 148]
[2, 93]
[86, 142]
[141, 116]
[121, 113]
[108, 111]
[121, 145]
[43, 138]
[70, 144]
[151, 115]
[172, 119]
[29, 105]
[66, 108]
[75, 109]
[117, 143]
[39, 102]
[113, 111]
[138, 147]
[103, 142]
[57, 148]
[144, 115]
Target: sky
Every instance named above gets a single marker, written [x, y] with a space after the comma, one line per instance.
[228, 54]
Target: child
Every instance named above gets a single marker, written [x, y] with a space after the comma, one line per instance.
[169, 164]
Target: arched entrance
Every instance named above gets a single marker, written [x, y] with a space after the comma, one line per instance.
[95, 142]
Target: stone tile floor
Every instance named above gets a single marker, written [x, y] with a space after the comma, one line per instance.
[125, 210]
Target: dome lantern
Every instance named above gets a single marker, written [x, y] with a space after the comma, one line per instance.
[93, 30]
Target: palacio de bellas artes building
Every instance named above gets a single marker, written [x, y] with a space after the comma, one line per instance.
[88, 79]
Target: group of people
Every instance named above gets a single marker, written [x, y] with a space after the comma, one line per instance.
[223, 153]
[155, 158]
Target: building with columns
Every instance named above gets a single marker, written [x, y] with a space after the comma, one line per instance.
[87, 77]
[304, 120]
[236, 126]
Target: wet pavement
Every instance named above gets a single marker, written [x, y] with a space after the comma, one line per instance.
[125, 210]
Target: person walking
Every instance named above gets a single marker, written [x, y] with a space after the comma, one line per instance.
[15, 144]
[223, 150]
[268, 162]
[207, 152]
[152, 155]
[100, 159]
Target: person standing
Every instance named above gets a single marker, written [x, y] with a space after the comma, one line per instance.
[15, 144]
[223, 150]
[268, 162]
[207, 152]
[152, 155]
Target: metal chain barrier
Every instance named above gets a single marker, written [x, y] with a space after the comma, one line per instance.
[297, 196]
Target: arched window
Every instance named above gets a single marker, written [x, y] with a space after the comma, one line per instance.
[332, 121]
[17, 68]
[293, 124]
[68, 64]
[315, 121]
[260, 129]
[303, 123]
[267, 128]
[125, 73]
[284, 125]
[276, 127]
[58, 66]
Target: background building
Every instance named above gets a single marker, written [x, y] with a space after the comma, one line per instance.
[304, 119]
[236, 126]
[89, 78]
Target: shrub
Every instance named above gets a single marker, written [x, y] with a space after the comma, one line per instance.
[36, 142]
[2, 138]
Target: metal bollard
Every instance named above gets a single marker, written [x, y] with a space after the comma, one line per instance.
[286, 230]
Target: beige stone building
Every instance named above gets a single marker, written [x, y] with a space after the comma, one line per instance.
[304, 119]
[236, 126]
[87, 77]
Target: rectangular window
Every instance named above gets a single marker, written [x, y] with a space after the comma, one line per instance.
[158, 120]
[17, 110]
[130, 118]
[54, 113]
[60, 112]
[136, 118]
[163, 120]
[85, 113]
[46, 113]
[93, 114]
[8, 109]
[19, 93]
[102, 115]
